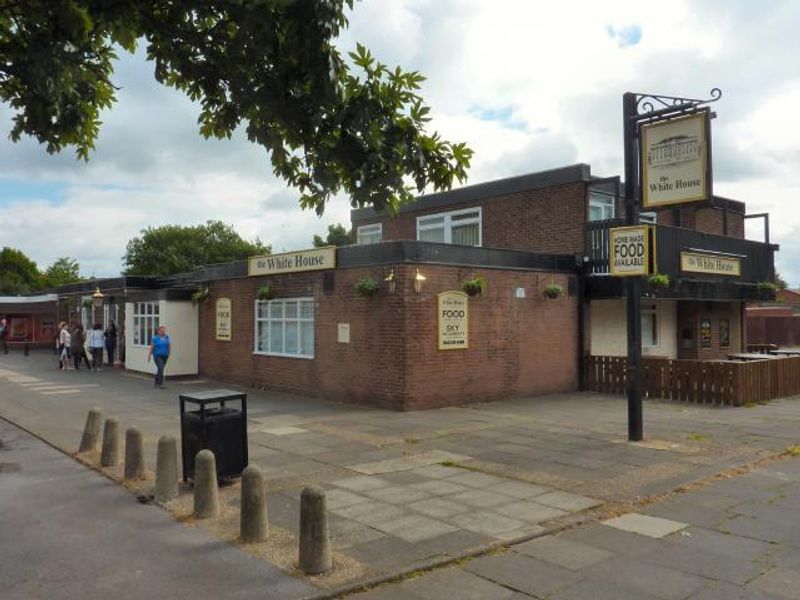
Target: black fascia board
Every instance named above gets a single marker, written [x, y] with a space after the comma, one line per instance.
[579, 172]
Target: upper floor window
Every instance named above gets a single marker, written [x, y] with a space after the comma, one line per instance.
[369, 234]
[461, 227]
[601, 206]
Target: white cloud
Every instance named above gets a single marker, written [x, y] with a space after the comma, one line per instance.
[529, 85]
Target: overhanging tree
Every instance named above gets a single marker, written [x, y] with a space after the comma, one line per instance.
[338, 235]
[18, 273]
[63, 271]
[171, 249]
[267, 65]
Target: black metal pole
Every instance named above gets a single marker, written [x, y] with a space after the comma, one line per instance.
[633, 285]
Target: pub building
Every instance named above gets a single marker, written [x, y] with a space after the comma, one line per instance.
[386, 322]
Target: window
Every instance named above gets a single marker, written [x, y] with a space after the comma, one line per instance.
[649, 326]
[601, 206]
[650, 217]
[369, 234]
[145, 322]
[285, 327]
[462, 227]
[724, 333]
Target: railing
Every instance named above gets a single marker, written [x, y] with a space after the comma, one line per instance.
[757, 259]
[703, 382]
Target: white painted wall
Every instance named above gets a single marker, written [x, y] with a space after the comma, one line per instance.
[608, 328]
[181, 321]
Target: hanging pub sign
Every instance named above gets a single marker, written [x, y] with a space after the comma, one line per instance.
[453, 319]
[293, 262]
[711, 264]
[224, 320]
[631, 250]
[675, 160]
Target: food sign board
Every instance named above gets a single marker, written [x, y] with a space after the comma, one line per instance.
[224, 320]
[631, 250]
[453, 319]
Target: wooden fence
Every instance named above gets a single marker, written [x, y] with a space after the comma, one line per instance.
[703, 382]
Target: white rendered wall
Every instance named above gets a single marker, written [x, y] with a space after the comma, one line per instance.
[608, 328]
[180, 319]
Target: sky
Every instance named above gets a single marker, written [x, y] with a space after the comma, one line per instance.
[528, 84]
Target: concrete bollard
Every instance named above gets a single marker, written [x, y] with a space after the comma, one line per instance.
[90, 440]
[166, 469]
[315, 546]
[109, 456]
[134, 454]
[253, 524]
[206, 495]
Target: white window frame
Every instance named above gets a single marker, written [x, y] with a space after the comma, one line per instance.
[151, 320]
[267, 319]
[656, 327]
[649, 217]
[595, 200]
[370, 229]
[447, 223]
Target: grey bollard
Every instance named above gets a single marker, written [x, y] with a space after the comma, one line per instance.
[315, 546]
[206, 496]
[166, 469]
[109, 456]
[253, 524]
[90, 440]
[134, 454]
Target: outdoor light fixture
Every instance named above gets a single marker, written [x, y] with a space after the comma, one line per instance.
[418, 279]
[97, 297]
[391, 280]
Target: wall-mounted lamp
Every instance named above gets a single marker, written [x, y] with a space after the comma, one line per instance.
[418, 279]
[97, 297]
[391, 281]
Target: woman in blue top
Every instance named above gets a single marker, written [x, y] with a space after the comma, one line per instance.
[159, 350]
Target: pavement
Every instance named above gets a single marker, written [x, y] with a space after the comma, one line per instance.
[68, 532]
[406, 490]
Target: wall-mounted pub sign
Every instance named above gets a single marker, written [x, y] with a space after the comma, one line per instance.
[224, 318]
[453, 319]
[711, 264]
[675, 161]
[293, 262]
[631, 250]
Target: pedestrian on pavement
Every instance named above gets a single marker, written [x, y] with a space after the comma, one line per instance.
[64, 346]
[160, 348]
[96, 342]
[78, 347]
[4, 333]
[111, 341]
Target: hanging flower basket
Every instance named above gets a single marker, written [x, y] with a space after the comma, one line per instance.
[553, 290]
[766, 287]
[658, 280]
[367, 286]
[200, 295]
[474, 287]
[266, 292]
[88, 303]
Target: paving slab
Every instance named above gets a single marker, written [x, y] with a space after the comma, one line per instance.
[563, 552]
[414, 528]
[567, 501]
[455, 583]
[487, 523]
[654, 527]
[438, 508]
[523, 574]
[779, 582]
[532, 512]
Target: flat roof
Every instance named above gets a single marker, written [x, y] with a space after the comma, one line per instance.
[28, 299]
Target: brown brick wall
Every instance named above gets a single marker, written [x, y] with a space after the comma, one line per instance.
[708, 220]
[392, 360]
[690, 313]
[543, 220]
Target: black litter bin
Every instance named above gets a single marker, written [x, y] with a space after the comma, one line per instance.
[216, 427]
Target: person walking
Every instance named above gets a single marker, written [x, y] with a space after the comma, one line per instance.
[111, 341]
[160, 348]
[96, 342]
[78, 347]
[64, 347]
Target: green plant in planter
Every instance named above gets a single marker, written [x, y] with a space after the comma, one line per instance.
[766, 286]
[658, 280]
[474, 286]
[367, 286]
[553, 290]
[266, 292]
[88, 303]
[200, 295]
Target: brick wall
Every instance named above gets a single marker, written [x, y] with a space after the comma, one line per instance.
[543, 220]
[518, 347]
[705, 219]
[691, 313]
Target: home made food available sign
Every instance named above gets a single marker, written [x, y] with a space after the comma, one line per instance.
[630, 250]
[453, 318]
[293, 262]
[675, 161]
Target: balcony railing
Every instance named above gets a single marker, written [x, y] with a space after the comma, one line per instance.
[756, 258]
